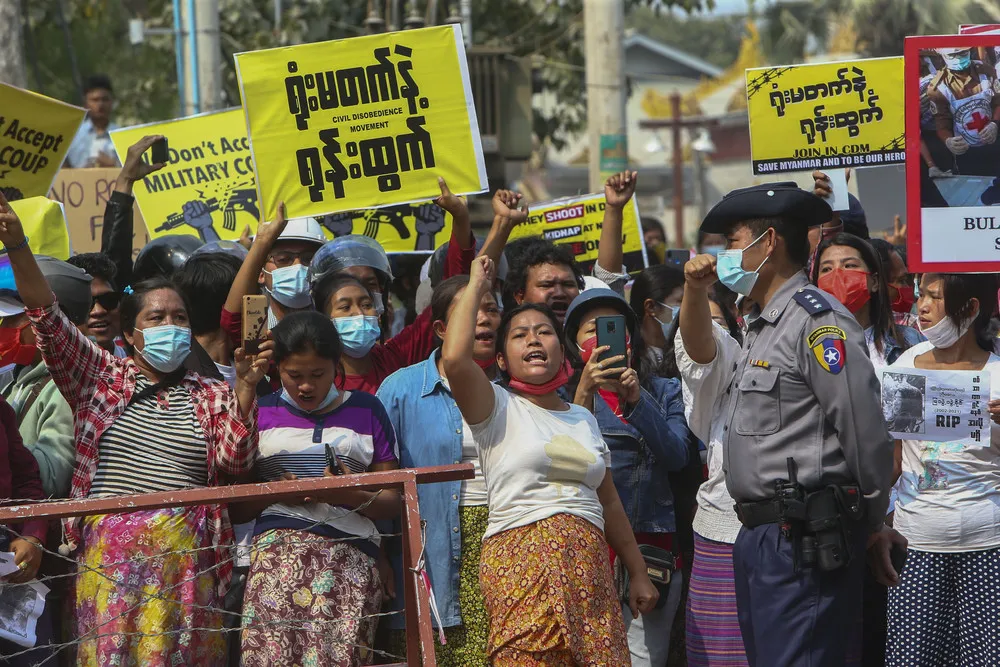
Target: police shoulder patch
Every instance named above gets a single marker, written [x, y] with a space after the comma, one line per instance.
[814, 302]
[827, 345]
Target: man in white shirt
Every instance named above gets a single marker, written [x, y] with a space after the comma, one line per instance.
[92, 145]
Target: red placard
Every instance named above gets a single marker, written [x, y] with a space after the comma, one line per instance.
[953, 222]
[979, 29]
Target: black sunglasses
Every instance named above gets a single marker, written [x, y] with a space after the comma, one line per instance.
[108, 300]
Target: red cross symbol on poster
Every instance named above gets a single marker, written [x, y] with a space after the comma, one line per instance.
[978, 122]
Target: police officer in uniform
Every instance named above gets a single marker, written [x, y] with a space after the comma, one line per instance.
[807, 455]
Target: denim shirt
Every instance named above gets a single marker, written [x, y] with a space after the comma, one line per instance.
[656, 440]
[428, 428]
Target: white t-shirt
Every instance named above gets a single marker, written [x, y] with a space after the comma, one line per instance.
[949, 493]
[539, 463]
[473, 493]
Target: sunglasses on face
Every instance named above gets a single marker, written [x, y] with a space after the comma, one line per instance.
[108, 301]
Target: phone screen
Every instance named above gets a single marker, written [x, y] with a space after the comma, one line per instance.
[612, 331]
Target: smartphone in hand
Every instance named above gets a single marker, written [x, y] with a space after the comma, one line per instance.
[612, 331]
[254, 322]
[332, 462]
[158, 152]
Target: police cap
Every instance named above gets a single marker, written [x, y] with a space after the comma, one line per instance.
[770, 200]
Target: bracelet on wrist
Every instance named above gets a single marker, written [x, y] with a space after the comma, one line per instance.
[22, 244]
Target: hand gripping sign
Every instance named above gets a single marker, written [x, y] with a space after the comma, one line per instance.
[361, 123]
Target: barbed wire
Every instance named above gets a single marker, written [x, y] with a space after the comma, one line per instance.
[240, 621]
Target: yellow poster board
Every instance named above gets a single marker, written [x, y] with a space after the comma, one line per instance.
[826, 115]
[361, 123]
[577, 222]
[45, 226]
[35, 135]
[404, 228]
[208, 188]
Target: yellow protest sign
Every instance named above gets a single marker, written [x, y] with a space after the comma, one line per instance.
[361, 123]
[826, 115]
[405, 228]
[35, 134]
[577, 223]
[45, 226]
[208, 187]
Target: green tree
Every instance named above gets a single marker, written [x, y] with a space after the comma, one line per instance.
[715, 39]
[882, 25]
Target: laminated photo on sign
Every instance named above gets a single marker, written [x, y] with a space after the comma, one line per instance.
[938, 405]
[953, 156]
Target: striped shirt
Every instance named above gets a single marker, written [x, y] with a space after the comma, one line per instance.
[359, 433]
[155, 445]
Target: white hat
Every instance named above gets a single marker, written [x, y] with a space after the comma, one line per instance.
[303, 229]
[10, 306]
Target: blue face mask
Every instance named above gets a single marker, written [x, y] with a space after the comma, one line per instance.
[290, 286]
[331, 396]
[731, 272]
[165, 347]
[665, 323]
[957, 63]
[358, 334]
[712, 250]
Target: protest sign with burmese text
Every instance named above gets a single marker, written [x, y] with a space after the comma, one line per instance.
[207, 189]
[826, 115]
[361, 123]
[35, 134]
[576, 222]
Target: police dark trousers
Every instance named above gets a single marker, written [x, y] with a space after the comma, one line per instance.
[796, 616]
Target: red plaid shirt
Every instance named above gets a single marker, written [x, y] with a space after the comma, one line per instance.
[98, 387]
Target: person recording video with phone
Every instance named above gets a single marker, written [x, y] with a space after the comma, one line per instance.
[641, 417]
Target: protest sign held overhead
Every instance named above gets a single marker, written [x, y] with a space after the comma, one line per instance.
[953, 156]
[207, 187]
[937, 406]
[44, 223]
[577, 223]
[35, 134]
[405, 228]
[361, 123]
[826, 115]
[84, 194]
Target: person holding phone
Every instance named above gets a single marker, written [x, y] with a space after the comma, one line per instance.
[327, 546]
[143, 424]
[641, 418]
[553, 509]
[944, 611]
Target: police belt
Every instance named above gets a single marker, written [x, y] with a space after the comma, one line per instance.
[761, 512]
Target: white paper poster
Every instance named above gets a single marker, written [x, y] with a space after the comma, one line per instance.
[20, 607]
[939, 406]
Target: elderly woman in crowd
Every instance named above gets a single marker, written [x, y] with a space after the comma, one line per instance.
[149, 580]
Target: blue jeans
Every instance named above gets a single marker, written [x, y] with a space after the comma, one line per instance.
[649, 635]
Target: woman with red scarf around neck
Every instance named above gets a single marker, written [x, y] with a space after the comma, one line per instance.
[553, 509]
[849, 268]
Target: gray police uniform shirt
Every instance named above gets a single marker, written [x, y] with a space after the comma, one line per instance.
[805, 388]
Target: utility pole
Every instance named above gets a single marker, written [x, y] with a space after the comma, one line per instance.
[603, 31]
[12, 69]
[209, 54]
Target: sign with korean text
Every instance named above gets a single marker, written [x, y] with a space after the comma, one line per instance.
[952, 153]
[404, 228]
[35, 135]
[826, 115]
[84, 194]
[208, 188]
[577, 223]
[361, 123]
[938, 406]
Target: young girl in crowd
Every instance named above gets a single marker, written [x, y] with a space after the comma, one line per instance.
[314, 588]
[549, 496]
[641, 418]
[944, 611]
[656, 299]
[431, 432]
[142, 425]
[848, 268]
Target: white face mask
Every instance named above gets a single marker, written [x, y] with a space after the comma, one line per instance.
[946, 333]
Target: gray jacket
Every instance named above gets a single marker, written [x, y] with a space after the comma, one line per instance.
[805, 388]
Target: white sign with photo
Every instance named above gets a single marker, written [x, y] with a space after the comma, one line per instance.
[939, 406]
[20, 607]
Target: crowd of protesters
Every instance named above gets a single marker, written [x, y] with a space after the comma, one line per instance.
[591, 471]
